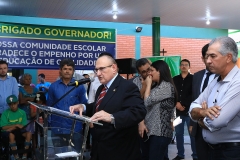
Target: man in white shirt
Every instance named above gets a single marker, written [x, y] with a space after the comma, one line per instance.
[93, 89]
[217, 109]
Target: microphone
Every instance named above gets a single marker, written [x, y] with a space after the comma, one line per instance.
[81, 81]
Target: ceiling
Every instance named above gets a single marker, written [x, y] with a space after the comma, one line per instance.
[221, 13]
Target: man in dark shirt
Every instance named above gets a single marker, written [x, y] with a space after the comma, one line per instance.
[200, 82]
[183, 83]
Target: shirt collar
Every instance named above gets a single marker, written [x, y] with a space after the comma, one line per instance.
[7, 77]
[186, 76]
[110, 82]
[72, 80]
[206, 71]
[230, 75]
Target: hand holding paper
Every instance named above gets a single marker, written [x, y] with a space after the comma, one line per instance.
[177, 121]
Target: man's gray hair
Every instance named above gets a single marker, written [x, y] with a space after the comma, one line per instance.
[228, 45]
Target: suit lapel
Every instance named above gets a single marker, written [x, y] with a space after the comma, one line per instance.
[110, 92]
[199, 79]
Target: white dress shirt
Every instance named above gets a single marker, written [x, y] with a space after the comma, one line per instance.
[226, 94]
[93, 89]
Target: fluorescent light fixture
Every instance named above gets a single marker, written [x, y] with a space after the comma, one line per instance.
[115, 8]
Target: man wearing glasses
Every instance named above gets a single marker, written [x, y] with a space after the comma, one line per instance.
[142, 66]
[119, 110]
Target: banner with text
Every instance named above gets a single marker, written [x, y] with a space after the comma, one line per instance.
[43, 47]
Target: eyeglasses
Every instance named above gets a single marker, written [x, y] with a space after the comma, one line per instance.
[184, 65]
[145, 71]
[101, 68]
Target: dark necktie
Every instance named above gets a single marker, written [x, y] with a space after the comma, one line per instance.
[100, 97]
[205, 84]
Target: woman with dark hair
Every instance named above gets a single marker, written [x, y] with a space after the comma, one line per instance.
[160, 99]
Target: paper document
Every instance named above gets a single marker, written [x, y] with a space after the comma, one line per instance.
[67, 154]
[177, 121]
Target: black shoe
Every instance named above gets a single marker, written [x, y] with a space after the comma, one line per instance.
[195, 159]
[178, 158]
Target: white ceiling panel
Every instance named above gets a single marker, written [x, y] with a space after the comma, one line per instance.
[222, 14]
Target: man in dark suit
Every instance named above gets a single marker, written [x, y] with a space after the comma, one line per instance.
[120, 111]
[197, 87]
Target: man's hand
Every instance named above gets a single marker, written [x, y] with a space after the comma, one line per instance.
[101, 116]
[204, 105]
[76, 108]
[180, 107]
[210, 112]
[144, 85]
[190, 129]
[172, 126]
[201, 124]
[9, 129]
[148, 80]
[91, 125]
[19, 126]
[143, 82]
[141, 128]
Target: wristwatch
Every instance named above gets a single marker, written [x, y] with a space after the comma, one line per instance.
[112, 119]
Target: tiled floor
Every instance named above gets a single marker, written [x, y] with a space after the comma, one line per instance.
[172, 149]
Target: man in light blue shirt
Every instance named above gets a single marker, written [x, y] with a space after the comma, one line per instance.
[43, 86]
[217, 109]
[8, 86]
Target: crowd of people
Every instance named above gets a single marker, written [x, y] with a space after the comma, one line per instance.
[137, 114]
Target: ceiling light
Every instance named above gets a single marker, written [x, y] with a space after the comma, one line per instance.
[115, 14]
[208, 22]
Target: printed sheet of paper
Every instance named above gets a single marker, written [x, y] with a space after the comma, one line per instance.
[67, 154]
[177, 121]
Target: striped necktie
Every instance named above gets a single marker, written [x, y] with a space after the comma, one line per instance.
[100, 97]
